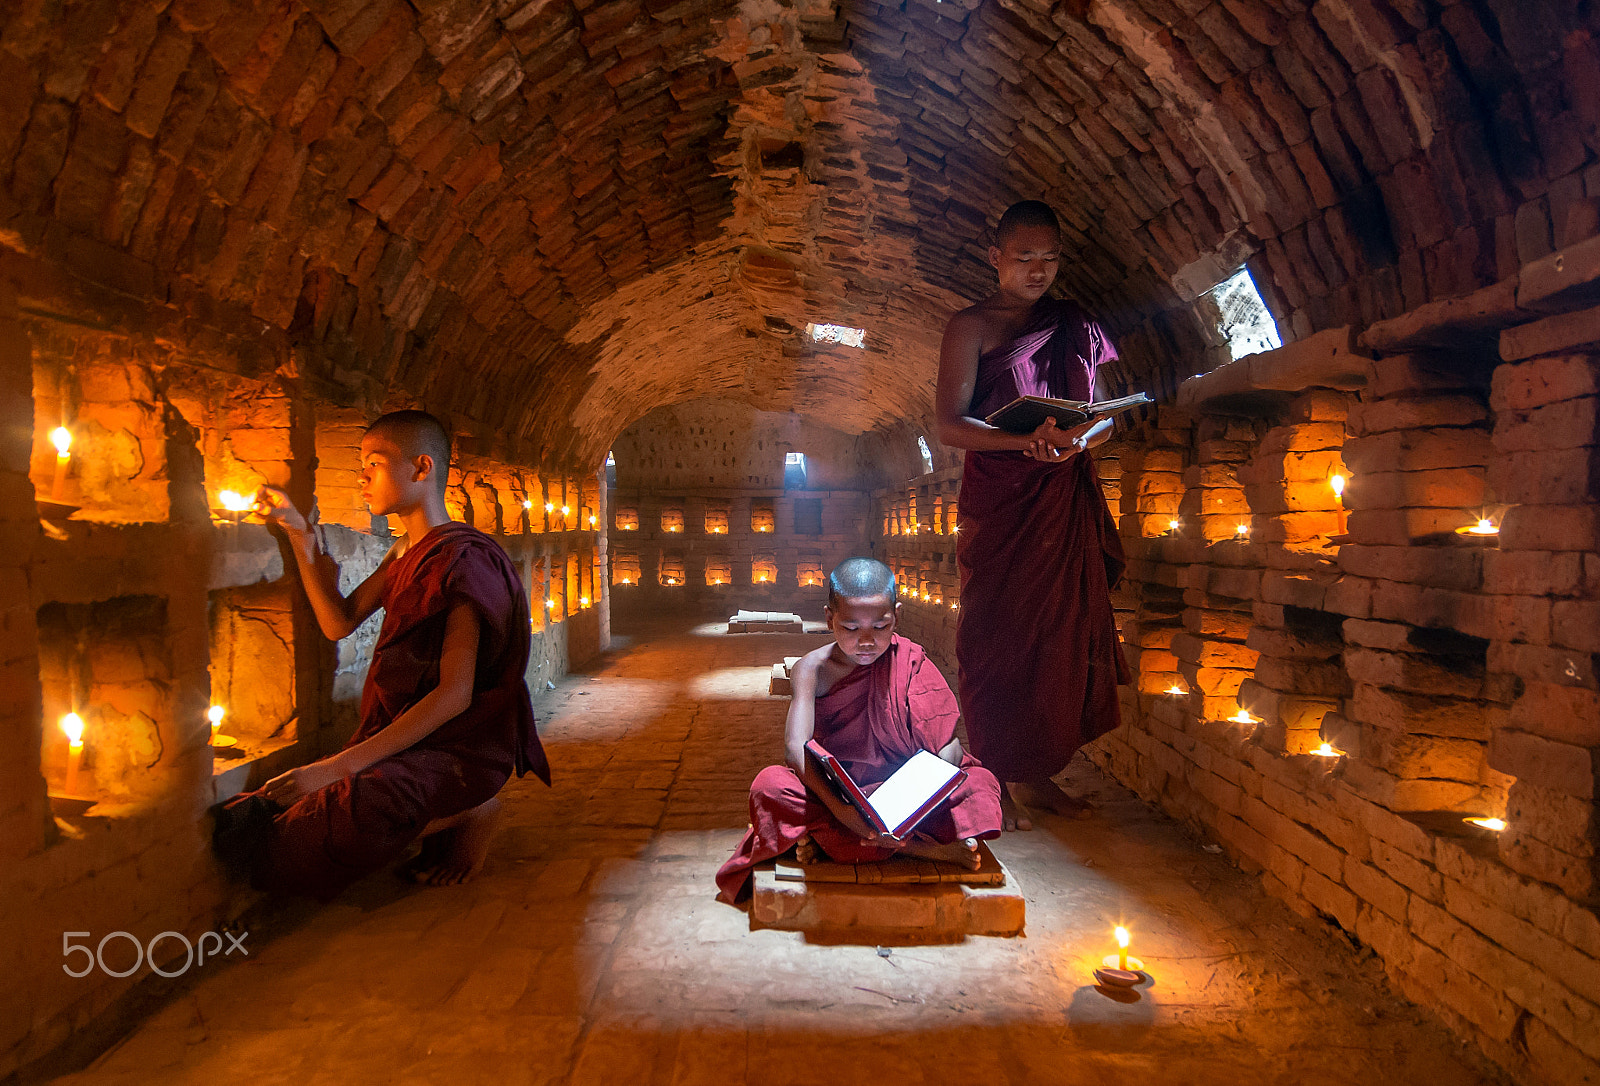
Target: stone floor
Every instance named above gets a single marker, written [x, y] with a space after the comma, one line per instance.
[592, 951]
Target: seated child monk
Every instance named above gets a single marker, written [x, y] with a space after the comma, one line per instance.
[445, 714]
[872, 699]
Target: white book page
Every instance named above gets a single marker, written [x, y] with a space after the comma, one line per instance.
[910, 787]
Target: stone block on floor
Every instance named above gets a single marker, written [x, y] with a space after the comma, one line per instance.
[765, 622]
[900, 898]
[781, 684]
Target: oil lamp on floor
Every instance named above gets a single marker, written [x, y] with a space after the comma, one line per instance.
[1118, 970]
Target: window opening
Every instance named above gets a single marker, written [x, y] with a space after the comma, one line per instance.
[1243, 317]
[837, 333]
[927, 454]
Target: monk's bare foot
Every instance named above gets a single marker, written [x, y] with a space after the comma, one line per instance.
[1013, 815]
[806, 851]
[963, 852]
[469, 845]
[1048, 793]
[428, 858]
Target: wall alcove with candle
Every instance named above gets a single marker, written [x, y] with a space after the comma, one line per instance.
[253, 671]
[113, 470]
[109, 663]
[625, 567]
[719, 570]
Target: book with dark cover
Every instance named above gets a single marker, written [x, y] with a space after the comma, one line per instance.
[913, 792]
[1026, 414]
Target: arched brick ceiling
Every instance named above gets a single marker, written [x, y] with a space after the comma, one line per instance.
[549, 217]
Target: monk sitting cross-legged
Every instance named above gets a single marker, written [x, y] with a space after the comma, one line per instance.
[445, 713]
[872, 699]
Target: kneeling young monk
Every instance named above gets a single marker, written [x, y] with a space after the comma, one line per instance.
[445, 713]
[872, 699]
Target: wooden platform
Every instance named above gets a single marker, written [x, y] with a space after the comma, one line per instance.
[907, 897]
[765, 622]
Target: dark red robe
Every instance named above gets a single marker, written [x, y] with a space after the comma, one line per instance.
[873, 720]
[1038, 552]
[329, 839]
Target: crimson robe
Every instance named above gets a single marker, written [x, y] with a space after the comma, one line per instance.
[873, 721]
[334, 836]
[1037, 649]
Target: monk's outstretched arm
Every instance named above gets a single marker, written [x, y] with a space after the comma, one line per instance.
[337, 614]
[457, 668]
[798, 730]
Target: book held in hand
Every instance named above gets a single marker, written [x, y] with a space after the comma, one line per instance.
[1026, 414]
[896, 806]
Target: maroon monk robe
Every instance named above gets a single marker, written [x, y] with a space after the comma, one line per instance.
[339, 834]
[1037, 649]
[873, 720]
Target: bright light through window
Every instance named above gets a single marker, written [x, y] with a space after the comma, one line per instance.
[836, 333]
[794, 460]
[1243, 316]
[611, 460]
[927, 454]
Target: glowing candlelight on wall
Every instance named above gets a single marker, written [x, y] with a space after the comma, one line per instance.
[1485, 526]
[72, 728]
[1495, 824]
[549, 507]
[1172, 525]
[583, 601]
[1176, 689]
[954, 606]
[549, 605]
[1122, 948]
[1243, 717]
[61, 438]
[1242, 530]
[527, 504]
[565, 509]
[593, 520]
[1326, 751]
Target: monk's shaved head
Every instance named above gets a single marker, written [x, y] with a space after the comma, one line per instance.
[860, 579]
[1027, 213]
[417, 433]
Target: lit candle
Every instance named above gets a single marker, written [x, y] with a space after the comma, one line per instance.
[1242, 530]
[72, 728]
[955, 606]
[1326, 751]
[235, 503]
[1337, 482]
[1495, 824]
[1242, 716]
[549, 605]
[215, 715]
[1122, 948]
[593, 520]
[1172, 525]
[1176, 689]
[565, 509]
[527, 505]
[1485, 526]
[61, 438]
[583, 601]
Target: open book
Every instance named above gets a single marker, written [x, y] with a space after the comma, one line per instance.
[1025, 414]
[896, 806]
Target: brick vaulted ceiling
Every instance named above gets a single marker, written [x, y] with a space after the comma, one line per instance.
[548, 217]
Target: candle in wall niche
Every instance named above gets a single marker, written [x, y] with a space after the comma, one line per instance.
[72, 728]
[215, 715]
[61, 438]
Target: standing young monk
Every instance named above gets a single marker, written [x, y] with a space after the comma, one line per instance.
[1038, 551]
[445, 714]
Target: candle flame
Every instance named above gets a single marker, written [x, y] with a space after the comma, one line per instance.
[1122, 937]
[1176, 689]
[565, 509]
[1337, 482]
[550, 604]
[549, 507]
[955, 606]
[1485, 526]
[234, 502]
[1242, 716]
[1326, 751]
[72, 728]
[583, 601]
[1243, 529]
[61, 438]
[593, 521]
[215, 715]
[1172, 525]
[1495, 824]
[527, 505]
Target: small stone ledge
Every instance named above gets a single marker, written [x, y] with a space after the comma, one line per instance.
[1564, 280]
[1469, 322]
[1259, 383]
